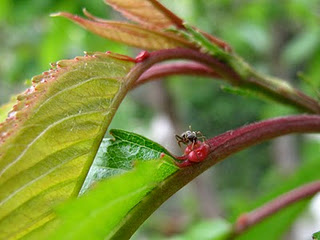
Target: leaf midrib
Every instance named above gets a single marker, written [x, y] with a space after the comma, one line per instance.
[42, 133]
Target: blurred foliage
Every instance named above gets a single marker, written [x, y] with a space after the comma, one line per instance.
[278, 223]
[217, 229]
[30, 39]
[277, 37]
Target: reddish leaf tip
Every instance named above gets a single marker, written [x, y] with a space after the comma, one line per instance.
[91, 16]
[120, 56]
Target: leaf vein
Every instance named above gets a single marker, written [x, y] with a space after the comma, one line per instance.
[41, 134]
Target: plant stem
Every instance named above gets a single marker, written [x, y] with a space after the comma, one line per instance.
[221, 147]
[247, 220]
[278, 88]
[186, 54]
[238, 73]
[167, 69]
[227, 143]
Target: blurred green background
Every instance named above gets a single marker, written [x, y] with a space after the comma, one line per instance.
[277, 37]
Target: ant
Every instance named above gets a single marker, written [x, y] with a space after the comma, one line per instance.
[189, 136]
[196, 150]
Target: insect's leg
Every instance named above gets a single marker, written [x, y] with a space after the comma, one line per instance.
[193, 142]
[201, 136]
[179, 140]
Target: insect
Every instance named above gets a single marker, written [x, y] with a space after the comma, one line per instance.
[196, 151]
[189, 137]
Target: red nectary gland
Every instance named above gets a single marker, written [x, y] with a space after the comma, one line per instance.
[197, 152]
[142, 56]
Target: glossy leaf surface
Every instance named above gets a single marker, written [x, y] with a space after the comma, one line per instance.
[116, 156]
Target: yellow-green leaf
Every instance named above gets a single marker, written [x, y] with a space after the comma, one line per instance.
[130, 34]
[51, 136]
[4, 109]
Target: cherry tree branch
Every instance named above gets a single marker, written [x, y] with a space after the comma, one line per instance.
[221, 147]
[248, 220]
[272, 87]
[232, 141]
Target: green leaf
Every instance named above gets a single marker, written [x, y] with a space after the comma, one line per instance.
[102, 212]
[116, 156]
[217, 229]
[130, 34]
[51, 136]
[249, 93]
[4, 109]
[316, 236]
[120, 200]
[205, 44]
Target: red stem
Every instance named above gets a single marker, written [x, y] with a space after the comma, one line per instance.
[249, 219]
[232, 141]
[296, 98]
[167, 69]
[187, 54]
[220, 147]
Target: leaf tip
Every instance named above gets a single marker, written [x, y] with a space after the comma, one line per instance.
[65, 14]
[57, 14]
[86, 13]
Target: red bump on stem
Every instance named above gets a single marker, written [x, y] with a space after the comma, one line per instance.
[142, 56]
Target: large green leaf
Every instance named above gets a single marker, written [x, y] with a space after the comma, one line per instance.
[100, 213]
[121, 200]
[51, 136]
